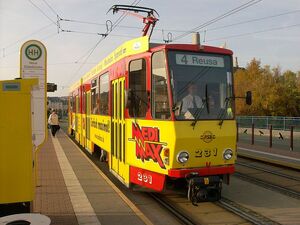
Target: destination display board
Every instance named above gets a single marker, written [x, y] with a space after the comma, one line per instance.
[199, 60]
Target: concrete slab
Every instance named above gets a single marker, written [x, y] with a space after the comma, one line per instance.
[276, 206]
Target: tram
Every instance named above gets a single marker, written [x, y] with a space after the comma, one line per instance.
[160, 114]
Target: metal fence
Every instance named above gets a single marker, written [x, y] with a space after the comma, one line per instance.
[263, 122]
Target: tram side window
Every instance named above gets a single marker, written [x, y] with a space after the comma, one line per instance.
[88, 103]
[95, 106]
[104, 89]
[70, 104]
[160, 100]
[137, 85]
[74, 103]
[83, 102]
[77, 104]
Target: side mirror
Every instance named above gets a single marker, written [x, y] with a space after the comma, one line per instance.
[248, 97]
[128, 97]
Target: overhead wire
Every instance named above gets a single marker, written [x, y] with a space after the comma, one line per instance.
[113, 26]
[116, 22]
[56, 23]
[37, 31]
[3, 49]
[176, 30]
[120, 26]
[255, 32]
[50, 7]
[173, 30]
[98, 24]
[26, 36]
[37, 7]
[254, 20]
[100, 34]
[17, 51]
[90, 52]
[218, 18]
[120, 19]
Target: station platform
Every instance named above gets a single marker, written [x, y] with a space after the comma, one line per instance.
[71, 190]
[279, 157]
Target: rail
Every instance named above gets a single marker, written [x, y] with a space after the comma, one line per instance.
[268, 184]
[179, 215]
[245, 213]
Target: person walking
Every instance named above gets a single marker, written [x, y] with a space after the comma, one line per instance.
[54, 124]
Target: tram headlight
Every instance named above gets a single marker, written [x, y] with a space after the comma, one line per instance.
[227, 154]
[183, 157]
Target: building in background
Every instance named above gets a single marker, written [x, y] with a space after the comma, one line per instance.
[60, 104]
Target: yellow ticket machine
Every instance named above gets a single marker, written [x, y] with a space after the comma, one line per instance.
[17, 173]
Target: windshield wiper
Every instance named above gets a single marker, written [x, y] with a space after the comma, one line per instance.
[198, 113]
[200, 110]
[222, 113]
[206, 99]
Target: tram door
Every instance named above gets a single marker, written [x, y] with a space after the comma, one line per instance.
[83, 117]
[88, 120]
[76, 118]
[118, 128]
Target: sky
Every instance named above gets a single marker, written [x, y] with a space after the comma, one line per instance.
[272, 33]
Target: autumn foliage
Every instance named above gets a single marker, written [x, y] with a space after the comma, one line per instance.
[274, 93]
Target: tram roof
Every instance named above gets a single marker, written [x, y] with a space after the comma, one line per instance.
[190, 47]
[140, 45]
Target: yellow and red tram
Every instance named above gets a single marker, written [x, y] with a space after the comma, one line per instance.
[160, 113]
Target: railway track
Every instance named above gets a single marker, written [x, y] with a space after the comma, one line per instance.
[233, 207]
[245, 213]
[269, 171]
[183, 217]
[270, 176]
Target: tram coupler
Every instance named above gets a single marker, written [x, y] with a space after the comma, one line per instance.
[203, 189]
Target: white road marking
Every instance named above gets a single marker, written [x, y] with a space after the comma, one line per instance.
[271, 154]
[82, 207]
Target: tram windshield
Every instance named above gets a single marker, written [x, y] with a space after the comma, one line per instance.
[201, 85]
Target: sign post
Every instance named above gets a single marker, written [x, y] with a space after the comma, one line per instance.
[33, 64]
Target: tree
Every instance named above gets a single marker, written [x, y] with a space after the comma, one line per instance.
[274, 93]
[291, 94]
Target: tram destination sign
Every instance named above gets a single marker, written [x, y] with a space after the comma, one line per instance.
[33, 64]
[199, 60]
